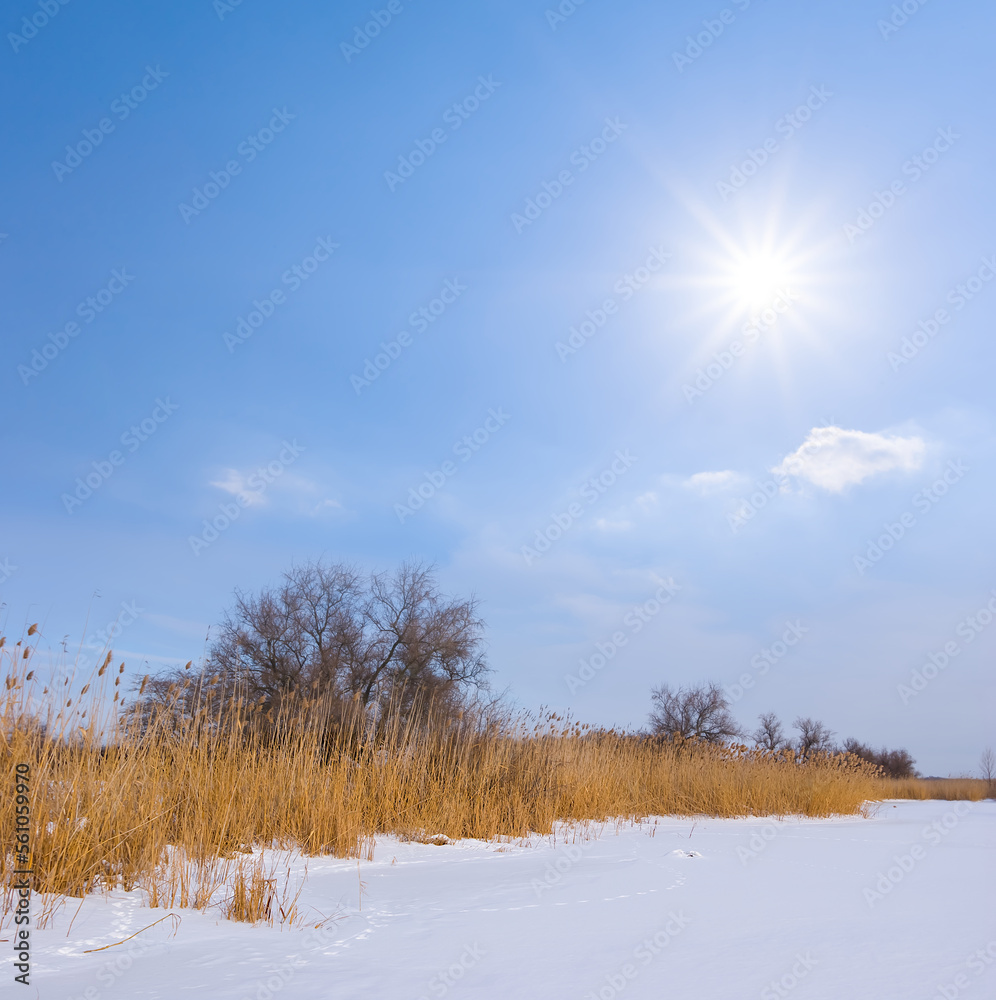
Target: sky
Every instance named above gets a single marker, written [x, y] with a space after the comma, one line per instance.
[665, 330]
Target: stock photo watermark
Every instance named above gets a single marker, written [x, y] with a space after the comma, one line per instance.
[565, 9]
[454, 116]
[767, 658]
[923, 500]
[898, 17]
[281, 976]
[223, 7]
[129, 614]
[978, 963]
[444, 980]
[20, 886]
[419, 321]
[591, 491]
[88, 310]
[723, 361]
[748, 507]
[121, 108]
[634, 620]
[293, 278]
[112, 970]
[713, 28]
[967, 631]
[202, 197]
[958, 297]
[555, 871]
[648, 949]
[933, 834]
[464, 449]
[914, 168]
[364, 34]
[257, 484]
[788, 981]
[758, 843]
[786, 126]
[132, 439]
[625, 288]
[98, 644]
[582, 158]
[30, 26]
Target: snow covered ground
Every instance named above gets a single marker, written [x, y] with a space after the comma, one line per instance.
[898, 905]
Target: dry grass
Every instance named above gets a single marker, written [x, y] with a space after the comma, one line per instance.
[974, 789]
[175, 806]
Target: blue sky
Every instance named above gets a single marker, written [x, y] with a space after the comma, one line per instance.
[670, 308]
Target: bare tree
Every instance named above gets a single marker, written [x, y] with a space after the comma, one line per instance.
[769, 735]
[894, 763]
[305, 635]
[700, 713]
[390, 639]
[419, 644]
[814, 737]
[987, 768]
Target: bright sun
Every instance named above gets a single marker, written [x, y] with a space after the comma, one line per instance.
[756, 278]
[759, 278]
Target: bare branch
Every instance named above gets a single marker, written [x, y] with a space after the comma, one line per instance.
[700, 713]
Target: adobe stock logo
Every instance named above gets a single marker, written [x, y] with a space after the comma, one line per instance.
[47, 9]
[257, 484]
[640, 615]
[465, 449]
[454, 116]
[87, 310]
[592, 490]
[365, 34]
[122, 107]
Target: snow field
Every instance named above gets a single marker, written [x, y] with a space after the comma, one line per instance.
[896, 905]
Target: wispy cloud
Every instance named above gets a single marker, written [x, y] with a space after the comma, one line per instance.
[325, 506]
[834, 459]
[256, 487]
[709, 483]
[235, 482]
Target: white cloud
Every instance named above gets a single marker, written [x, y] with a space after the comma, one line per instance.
[255, 489]
[235, 482]
[834, 459]
[708, 483]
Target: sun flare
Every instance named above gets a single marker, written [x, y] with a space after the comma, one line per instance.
[756, 278]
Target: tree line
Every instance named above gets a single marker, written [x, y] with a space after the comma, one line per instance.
[380, 642]
[393, 644]
[702, 713]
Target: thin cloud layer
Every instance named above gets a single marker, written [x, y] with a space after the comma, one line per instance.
[707, 483]
[834, 459]
[238, 484]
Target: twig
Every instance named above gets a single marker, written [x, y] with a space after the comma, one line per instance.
[139, 931]
[363, 884]
[77, 913]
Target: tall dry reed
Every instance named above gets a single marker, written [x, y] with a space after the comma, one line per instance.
[170, 799]
[973, 789]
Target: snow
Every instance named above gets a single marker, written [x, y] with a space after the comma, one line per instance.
[898, 904]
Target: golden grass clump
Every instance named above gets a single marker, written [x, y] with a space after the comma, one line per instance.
[173, 799]
[972, 789]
